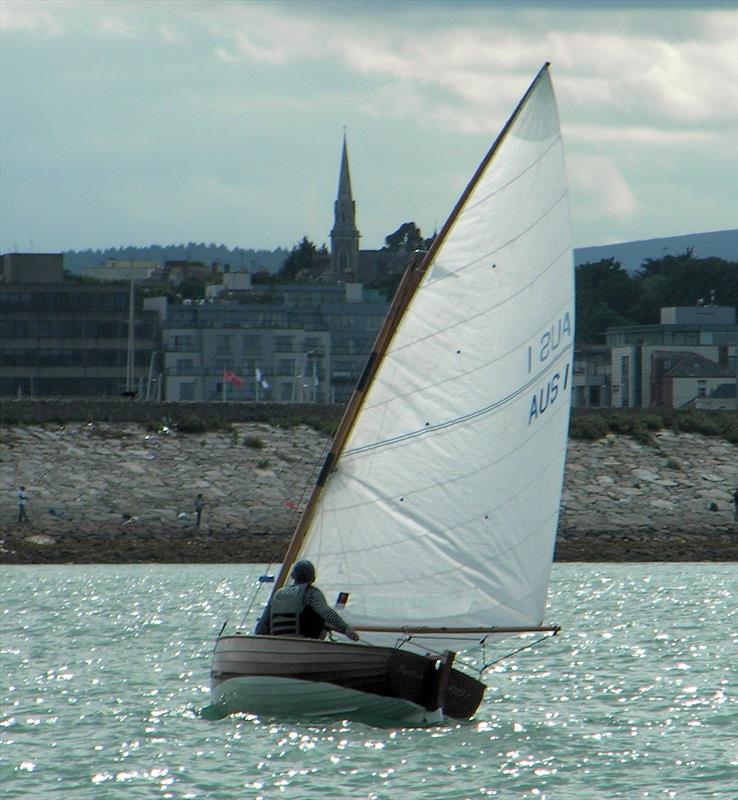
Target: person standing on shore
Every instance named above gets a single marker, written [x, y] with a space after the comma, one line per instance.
[22, 504]
[198, 509]
[735, 502]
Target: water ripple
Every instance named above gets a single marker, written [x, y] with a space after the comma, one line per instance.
[104, 668]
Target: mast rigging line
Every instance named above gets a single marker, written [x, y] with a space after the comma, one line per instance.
[515, 652]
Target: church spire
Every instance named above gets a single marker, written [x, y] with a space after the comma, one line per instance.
[345, 234]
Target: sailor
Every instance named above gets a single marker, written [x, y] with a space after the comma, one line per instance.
[301, 610]
[22, 516]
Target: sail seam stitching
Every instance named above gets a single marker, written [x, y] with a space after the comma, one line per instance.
[516, 178]
[465, 417]
[567, 247]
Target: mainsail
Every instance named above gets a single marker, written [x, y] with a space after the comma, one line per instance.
[442, 508]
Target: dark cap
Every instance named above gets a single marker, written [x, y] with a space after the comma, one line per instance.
[303, 572]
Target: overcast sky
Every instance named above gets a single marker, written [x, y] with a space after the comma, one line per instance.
[164, 122]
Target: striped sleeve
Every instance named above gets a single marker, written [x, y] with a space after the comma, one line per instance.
[316, 600]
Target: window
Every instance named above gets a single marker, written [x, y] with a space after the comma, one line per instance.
[182, 343]
[285, 392]
[252, 344]
[284, 344]
[625, 381]
[224, 344]
[187, 391]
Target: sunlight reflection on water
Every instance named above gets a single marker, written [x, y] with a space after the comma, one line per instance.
[105, 668]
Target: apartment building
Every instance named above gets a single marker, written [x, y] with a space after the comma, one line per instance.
[690, 354]
[298, 343]
[60, 339]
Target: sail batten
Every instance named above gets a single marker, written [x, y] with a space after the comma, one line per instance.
[439, 504]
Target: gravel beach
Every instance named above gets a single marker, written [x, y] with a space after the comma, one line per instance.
[120, 493]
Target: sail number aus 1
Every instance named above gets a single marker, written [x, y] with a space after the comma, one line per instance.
[550, 340]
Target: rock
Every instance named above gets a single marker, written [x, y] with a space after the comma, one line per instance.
[40, 539]
[644, 475]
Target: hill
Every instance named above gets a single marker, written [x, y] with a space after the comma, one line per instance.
[631, 255]
[237, 257]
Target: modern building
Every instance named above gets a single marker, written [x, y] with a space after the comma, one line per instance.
[300, 343]
[122, 269]
[591, 384]
[62, 339]
[29, 268]
[689, 354]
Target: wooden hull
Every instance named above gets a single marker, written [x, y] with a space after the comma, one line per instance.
[284, 676]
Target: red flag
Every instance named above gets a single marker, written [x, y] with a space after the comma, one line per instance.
[232, 378]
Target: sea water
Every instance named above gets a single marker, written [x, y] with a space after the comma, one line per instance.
[104, 669]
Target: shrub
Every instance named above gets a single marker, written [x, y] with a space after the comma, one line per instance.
[652, 422]
[639, 424]
[589, 427]
[191, 425]
[254, 442]
[690, 422]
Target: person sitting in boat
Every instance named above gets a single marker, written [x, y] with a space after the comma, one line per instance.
[301, 610]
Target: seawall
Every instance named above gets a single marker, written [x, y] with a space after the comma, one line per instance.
[112, 491]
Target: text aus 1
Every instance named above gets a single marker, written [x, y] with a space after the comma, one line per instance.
[557, 335]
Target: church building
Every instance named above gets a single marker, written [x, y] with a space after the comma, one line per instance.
[349, 264]
[345, 235]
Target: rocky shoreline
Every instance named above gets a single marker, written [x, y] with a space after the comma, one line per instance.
[120, 493]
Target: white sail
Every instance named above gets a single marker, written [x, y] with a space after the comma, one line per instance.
[443, 507]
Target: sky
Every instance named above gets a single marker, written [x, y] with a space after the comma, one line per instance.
[163, 122]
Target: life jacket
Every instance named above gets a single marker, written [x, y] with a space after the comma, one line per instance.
[286, 607]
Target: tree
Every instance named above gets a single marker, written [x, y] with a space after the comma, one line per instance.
[192, 287]
[683, 280]
[605, 296]
[299, 260]
[407, 238]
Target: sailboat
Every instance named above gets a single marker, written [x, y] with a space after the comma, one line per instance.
[434, 515]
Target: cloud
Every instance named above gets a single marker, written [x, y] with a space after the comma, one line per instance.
[171, 35]
[427, 77]
[226, 56]
[599, 188]
[464, 68]
[29, 17]
[114, 26]
[633, 134]
[264, 34]
[456, 74]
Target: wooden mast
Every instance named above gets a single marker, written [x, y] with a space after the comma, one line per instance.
[403, 296]
[409, 283]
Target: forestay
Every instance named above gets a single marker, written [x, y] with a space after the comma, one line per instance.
[443, 506]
